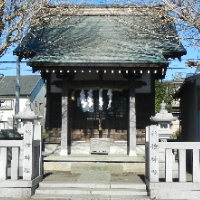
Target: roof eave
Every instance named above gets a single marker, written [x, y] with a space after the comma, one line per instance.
[91, 65]
[176, 54]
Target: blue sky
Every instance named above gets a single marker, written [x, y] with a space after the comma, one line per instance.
[175, 66]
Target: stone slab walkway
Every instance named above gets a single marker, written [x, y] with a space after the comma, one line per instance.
[90, 177]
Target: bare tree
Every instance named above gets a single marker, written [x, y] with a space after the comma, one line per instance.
[192, 63]
[184, 14]
[15, 17]
[1, 15]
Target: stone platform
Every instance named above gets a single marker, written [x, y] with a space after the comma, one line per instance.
[81, 160]
[83, 148]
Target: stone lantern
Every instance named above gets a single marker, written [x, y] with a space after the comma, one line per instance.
[164, 119]
[26, 116]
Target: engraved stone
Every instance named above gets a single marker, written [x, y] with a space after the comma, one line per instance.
[100, 145]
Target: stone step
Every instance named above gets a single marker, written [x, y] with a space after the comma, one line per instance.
[88, 191]
[114, 168]
[114, 185]
[88, 197]
[114, 165]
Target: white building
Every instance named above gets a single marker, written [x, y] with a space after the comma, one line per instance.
[32, 87]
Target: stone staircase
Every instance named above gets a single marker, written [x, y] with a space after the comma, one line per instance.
[92, 185]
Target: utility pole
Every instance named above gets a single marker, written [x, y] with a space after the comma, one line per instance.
[17, 91]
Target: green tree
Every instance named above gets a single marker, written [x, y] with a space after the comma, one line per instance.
[164, 91]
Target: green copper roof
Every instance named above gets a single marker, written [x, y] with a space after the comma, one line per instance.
[102, 39]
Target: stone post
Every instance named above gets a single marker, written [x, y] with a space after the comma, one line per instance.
[28, 152]
[3, 163]
[15, 163]
[153, 154]
[38, 137]
[147, 152]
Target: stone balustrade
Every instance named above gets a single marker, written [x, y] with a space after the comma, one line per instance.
[21, 162]
[26, 151]
[172, 168]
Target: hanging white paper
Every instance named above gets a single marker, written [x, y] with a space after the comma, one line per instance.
[84, 103]
[109, 93]
[100, 99]
[90, 101]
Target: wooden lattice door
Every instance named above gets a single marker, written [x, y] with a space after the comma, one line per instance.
[109, 123]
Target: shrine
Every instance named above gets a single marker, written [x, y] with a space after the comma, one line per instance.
[100, 67]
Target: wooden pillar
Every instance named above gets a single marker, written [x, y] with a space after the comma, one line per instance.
[132, 119]
[64, 129]
[48, 108]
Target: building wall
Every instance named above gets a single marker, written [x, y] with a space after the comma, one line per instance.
[38, 101]
[116, 77]
[6, 113]
[189, 112]
[38, 104]
[144, 100]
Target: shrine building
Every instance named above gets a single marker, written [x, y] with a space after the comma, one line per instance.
[100, 64]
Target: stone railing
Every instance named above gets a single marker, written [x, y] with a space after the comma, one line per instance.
[21, 163]
[172, 168]
[28, 148]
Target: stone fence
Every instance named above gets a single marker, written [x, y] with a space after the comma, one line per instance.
[172, 168]
[21, 163]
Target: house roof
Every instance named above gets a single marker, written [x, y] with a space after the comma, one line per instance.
[189, 80]
[96, 38]
[27, 84]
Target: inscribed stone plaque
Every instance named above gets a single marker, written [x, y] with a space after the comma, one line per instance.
[100, 145]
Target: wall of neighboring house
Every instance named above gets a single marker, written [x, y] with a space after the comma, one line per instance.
[190, 110]
[176, 82]
[38, 105]
[7, 111]
[38, 101]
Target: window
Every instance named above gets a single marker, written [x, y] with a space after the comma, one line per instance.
[6, 104]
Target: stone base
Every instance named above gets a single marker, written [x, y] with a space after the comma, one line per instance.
[63, 152]
[17, 192]
[173, 190]
[19, 188]
[132, 153]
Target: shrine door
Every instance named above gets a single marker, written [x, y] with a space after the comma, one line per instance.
[105, 122]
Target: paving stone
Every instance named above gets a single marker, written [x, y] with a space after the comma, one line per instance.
[106, 167]
[91, 176]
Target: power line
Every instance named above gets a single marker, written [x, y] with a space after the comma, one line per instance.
[12, 62]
